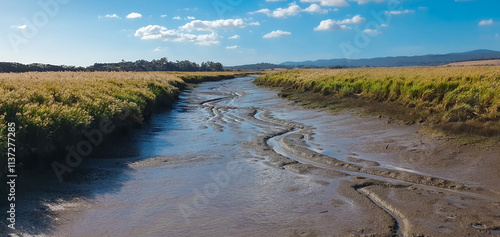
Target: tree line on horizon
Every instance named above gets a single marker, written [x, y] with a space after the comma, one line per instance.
[138, 66]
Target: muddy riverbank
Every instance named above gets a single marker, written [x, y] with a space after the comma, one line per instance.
[233, 159]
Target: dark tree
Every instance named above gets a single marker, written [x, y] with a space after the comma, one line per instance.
[161, 64]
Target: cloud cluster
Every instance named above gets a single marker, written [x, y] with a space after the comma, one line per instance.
[183, 33]
[399, 12]
[292, 10]
[19, 27]
[156, 32]
[134, 15]
[112, 16]
[277, 34]
[486, 22]
[205, 32]
[315, 8]
[159, 49]
[368, 1]
[371, 32]
[329, 3]
[214, 25]
[339, 24]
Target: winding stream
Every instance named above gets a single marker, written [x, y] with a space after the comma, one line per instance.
[233, 159]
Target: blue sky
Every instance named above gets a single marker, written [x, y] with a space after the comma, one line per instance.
[238, 32]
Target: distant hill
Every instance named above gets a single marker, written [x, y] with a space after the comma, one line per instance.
[258, 67]
[403, 61]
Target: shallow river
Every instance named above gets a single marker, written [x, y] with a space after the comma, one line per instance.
[234, 159]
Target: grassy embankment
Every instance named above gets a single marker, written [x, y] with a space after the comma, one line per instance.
[452, 99]
[51, 110]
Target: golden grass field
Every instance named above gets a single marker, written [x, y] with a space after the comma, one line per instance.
[438, 94]
[51, 109]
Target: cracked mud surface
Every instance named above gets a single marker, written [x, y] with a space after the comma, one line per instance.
[236, 160]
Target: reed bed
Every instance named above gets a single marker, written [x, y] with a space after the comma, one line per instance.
[439, 94]
[51, 109]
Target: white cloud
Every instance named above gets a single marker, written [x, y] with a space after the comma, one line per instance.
[277, 34]
[214, 25]
[485, 22]
[357, 19]
[329, 3]
[265, 11]
[153, 32]
[331, 25]
[232, 47]
[206, 40]
[292, 10]
[159, 49]
[134, 15]
[190, 17]
[19, 27]
[367, 1]
[316, 9]
[371, 32]
[339, 25]
[399, 12]
[163, 16]
[384, 25]
[255, 23]
[176, 18]
[156, 32]
[112, 16]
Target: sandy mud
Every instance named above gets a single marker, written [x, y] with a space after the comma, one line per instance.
[234, 159]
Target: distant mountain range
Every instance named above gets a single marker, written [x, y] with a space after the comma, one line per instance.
[258, 66]
[402, 61]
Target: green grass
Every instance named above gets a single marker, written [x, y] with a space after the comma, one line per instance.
[52, 109]
[443, 96]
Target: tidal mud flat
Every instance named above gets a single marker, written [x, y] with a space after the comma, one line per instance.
[233, 159]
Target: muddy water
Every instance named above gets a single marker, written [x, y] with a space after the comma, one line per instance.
[233, 159]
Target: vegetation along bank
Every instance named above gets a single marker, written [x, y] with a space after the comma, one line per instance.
[54, 110]
[452, 99]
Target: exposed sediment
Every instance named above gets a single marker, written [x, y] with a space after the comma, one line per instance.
[370, 178]
[297, 176]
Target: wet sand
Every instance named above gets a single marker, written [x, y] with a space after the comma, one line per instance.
[234, 159]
